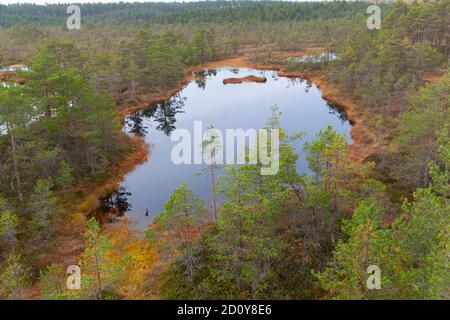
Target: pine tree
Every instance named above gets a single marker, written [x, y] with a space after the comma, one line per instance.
[94, 262]
[412, 253]
[419, 125]
[15, 114]
[64, 178]
[43, 205]
[211, 149]
[346, 277]
[8, 227]
[14, 278]
[184, 211]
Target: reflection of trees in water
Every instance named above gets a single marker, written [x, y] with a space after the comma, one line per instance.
[338, 112]
[117, 202]
[201, 82]
[274, 75]
[308, 86]
[113, 206]
[135, 124]
[292, 82]
[163, 113]
[201, 77]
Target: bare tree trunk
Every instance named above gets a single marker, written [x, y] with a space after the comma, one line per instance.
[99, 279]
[48, 110]
[240, 246]
[16, 165]
[189, 262]
[213, 180]
[426, 174]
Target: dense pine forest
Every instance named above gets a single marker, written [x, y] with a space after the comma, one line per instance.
[383, 200]
[169, 13]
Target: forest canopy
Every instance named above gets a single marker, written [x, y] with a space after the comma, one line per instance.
[292, 235]
[190, 12]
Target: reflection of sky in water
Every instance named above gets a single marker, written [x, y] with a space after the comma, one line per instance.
[230, 106]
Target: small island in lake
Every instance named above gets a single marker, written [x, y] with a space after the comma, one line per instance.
[245, 79]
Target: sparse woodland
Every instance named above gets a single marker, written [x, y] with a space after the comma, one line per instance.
[292, 235]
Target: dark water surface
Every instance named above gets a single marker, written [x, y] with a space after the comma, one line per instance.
[230, 106]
